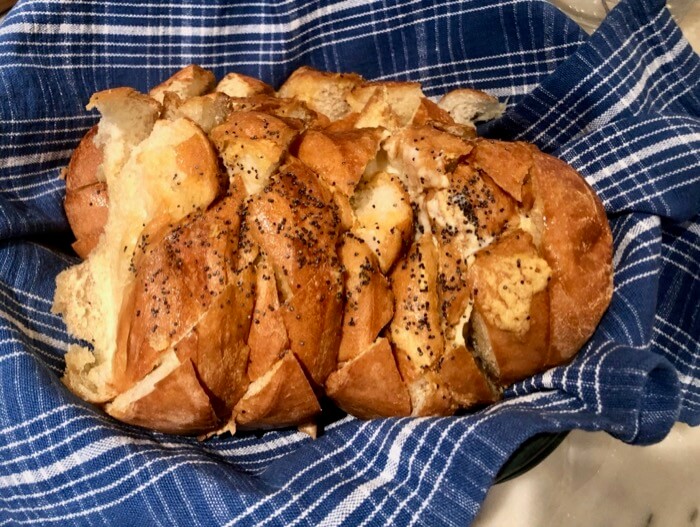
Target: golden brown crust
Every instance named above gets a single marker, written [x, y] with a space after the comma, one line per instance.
[323, 92]
[508, 164]
[296, 226]
[252, 145]
[369, 302]
[416, 329]
[281, 107]
[340, 158]
[239, 85]
[268, 337]
[189, 297]
[283, 397]
[86, 203]
[384, 217]
[83, 165]
[345, 124]
[467, 384]
[86, 209]
[429, 113]
[576, 242]
[177, 405]
[190, 81]
[426, 156]
[471, 205]
[370, 386]
[398, 99]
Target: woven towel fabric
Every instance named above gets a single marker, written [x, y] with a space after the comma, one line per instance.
[622, 106]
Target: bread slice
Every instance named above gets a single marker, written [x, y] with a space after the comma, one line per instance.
[191, 295]
[467, 106]
[370, 386]
[508, 164]
[292, 109]
[207, 111]
[369, 302]
[170, 399]
[401, 98]
[416, 329]
[252, 145]
[190, 81]
[384, 217]
[268, 337]
[510, 320]
[127, 119]
[340, 158]
[296, 227]
[169, 174]
[471, 212]
[239, 85]
[429, 113]
[282, 397]
[323, 92]
[465, 381]
[377, 112]
[424, 157]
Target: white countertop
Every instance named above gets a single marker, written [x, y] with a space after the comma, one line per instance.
[594, 480]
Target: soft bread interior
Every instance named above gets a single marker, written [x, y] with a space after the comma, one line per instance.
[171, 173]
[324, 92]
[127, 119]
[468, 106]
[384, 217]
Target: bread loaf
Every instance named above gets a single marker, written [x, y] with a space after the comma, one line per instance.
[248, 253]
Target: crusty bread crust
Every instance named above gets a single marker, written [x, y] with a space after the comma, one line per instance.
[239, 85]
[295, 224]
[249, 252]
[576, 242]
[369, 302]
[282, 397]
[86, 209]
[188, 82]
[165, 409]
[370, 386]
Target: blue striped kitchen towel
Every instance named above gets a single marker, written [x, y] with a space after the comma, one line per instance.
[622, 106]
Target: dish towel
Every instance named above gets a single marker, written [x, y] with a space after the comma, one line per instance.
[622, 106]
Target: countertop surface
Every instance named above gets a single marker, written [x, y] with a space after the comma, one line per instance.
[594, 480]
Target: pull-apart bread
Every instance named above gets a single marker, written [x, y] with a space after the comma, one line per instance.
[248, 253]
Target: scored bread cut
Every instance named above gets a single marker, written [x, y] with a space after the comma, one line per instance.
[250, 256]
